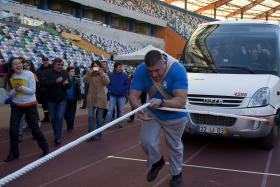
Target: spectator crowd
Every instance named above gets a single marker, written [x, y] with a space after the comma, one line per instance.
[59, 89]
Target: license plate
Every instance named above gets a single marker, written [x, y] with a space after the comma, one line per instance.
[213, 130]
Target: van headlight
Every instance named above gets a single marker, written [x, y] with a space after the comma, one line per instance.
[260, 98]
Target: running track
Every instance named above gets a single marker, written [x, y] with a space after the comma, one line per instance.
[117, 160]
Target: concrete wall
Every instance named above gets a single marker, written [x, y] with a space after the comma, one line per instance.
[174, 42]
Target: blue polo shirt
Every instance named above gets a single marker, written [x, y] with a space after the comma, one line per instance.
[176, 78]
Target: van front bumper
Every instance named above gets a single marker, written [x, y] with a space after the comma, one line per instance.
[228, 126]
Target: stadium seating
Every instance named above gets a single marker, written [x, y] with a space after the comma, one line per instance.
[31, 44]
[110, 46]
[183, 24]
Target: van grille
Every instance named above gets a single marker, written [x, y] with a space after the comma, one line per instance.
[215, 100]
[205, 119]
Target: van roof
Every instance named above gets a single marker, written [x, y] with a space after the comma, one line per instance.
[244, 22]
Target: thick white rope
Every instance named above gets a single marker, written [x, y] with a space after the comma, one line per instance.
[70, 145]
[66, 147]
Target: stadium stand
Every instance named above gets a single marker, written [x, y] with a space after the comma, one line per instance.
[182, 23]
[111, 46]
[31, 43]
[130, 38]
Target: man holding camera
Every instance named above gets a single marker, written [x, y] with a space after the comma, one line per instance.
[97, 80]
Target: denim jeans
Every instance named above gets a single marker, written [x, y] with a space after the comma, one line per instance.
[57, 110]
[91, 119]
[120, 101]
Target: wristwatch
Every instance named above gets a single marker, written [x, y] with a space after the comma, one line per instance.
[162, 102]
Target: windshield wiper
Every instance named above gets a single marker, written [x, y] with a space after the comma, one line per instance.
[194, 67]
[239, 67]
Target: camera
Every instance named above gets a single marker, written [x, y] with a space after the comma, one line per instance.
[95, 68]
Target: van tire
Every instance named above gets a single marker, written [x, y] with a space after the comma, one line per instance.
[271, 140]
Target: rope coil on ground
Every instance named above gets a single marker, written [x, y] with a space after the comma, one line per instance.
[70, 145]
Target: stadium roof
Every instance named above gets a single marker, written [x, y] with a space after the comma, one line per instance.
[232, 9]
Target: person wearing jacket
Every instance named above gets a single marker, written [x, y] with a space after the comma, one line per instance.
[97, 80]
[41, 95]
[118, 89]
[73, 96]
[55, 80]
[21, 87]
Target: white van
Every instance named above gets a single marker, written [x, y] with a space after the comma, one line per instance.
[233, 68]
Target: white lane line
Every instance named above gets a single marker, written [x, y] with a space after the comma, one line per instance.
[48, 131]
[71, 173]
[264, 179]
[205, 167]
[162, 180]
[232, 170]
[27, 137]
[106, 133]
[84, 167]
[125, 158]
[196, 153]
[185, 162]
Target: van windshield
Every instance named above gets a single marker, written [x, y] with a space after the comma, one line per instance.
[233, 48]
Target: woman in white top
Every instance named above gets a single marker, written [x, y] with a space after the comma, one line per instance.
[21, 86]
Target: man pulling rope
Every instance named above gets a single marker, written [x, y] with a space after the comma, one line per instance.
[167, 84]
